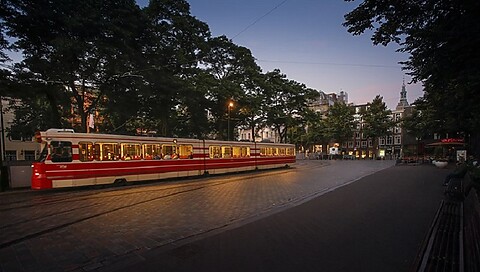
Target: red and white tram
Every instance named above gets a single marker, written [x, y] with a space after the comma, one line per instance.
[73, 159]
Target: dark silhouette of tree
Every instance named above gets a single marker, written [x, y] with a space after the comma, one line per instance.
[340, 122]
[376, 121]
[442, 38]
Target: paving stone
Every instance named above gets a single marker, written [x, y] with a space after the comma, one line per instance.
[100, 228]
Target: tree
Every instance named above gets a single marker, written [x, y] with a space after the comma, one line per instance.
[421, 122]
[74, 44]
[285, 103]
[340, 122]
[234, 69]
[377, 121]
[173, 45]
[314, 132]
[442, 38]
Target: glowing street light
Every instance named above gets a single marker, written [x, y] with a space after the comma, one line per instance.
[230, 106]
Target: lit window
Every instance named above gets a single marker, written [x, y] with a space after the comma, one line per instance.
[214, 151]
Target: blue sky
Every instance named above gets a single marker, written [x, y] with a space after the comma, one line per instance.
[305, 39]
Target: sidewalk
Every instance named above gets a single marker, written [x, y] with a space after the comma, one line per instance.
[375, 224]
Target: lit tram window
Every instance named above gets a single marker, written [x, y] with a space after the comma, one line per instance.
[263, 151]
[131, 151]
[236, 152]
[169, 151]
[61, 151]
[226, 151]
[85, 151]
[281, 151]
[152, 151]
[240, 151]
[109, 152]
[290, 151]
[185, 151]
[214, 151]
[245, 151]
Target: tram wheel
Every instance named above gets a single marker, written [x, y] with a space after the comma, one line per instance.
[120, 182]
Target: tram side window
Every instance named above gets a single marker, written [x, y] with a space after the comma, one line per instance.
[245, 151]
[85, 151]
[96, 152]
[109, 151]
[281, 151]
[226, 151]
[236, 151]
[241, 151]
[152, 152]
[185, 151]
[263, 151]
[169, 152]
[61, 151]
[290, 151]
[131, 151]
[214, 151]
[268, 152]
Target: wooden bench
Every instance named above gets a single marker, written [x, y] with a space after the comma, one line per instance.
[453, 241]
[471, 232]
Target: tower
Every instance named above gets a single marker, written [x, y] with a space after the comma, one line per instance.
[403, 97]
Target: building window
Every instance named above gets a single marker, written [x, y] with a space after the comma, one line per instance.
[10, 155]
[364, 143]
[29, 155]
[350, 144]
[382, 141]
[15, 137]
[398, 140]
[389, 140]
[370, 143]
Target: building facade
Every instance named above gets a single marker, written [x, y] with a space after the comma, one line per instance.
[391, 146]
[14, 150]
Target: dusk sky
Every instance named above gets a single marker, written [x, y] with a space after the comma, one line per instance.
[305, 39]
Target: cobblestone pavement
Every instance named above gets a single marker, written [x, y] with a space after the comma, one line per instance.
[91, 229]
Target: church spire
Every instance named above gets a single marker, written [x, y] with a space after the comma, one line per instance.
[403, 97]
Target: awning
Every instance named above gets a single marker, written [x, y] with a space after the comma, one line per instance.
[446, 144]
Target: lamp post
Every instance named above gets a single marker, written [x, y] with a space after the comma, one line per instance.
[3, 174]
[230, 105]
[2, 129]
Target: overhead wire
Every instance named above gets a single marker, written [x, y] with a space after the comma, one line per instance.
[259, 18]
[331, 63]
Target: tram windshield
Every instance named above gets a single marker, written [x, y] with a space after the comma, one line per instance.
[61, 151]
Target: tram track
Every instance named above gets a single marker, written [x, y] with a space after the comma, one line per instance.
[43, 224]
[61, 197]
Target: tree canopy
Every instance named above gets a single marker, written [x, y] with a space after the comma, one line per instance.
[139, 70]
[442, 38]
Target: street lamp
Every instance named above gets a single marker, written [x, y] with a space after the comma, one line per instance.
[230, 105]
